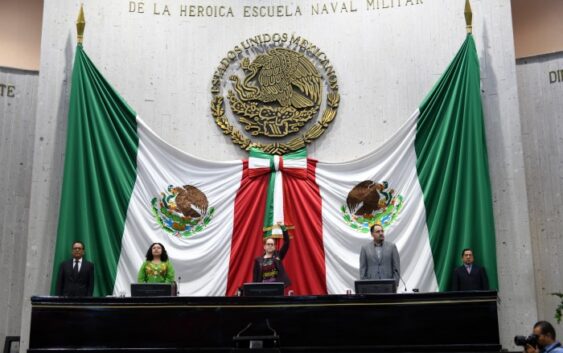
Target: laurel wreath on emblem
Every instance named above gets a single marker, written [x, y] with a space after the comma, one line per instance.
[370, 203]
[182, 211]
[280, 92]
[218, 112]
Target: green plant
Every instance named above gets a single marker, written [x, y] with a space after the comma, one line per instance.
[559, 308]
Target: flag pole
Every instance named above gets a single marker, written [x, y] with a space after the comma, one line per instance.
[80, 24]
[468, 17]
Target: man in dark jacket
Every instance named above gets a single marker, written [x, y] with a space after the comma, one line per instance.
[76, 276]
[469, 276]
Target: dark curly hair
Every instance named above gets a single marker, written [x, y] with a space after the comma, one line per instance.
[163, 256]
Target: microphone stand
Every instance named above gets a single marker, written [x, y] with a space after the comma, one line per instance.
[401, 279]
[178, 286]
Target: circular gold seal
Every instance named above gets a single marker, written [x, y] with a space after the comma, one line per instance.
[279, 88]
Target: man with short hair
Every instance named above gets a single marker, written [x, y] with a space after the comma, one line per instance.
[469, 276]
[76, 276]
[546, 339]
[379, 259]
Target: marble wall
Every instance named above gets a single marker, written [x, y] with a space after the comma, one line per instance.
[540, 92]
[18, 97]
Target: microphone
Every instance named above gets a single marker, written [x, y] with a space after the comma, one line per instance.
[401, 279]
[178, 286]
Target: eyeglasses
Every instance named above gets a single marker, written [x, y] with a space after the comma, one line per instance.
[77, 249]
[268, 244]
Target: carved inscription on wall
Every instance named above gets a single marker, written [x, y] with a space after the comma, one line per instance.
[556, 76]
[320, 8]
[7, 90]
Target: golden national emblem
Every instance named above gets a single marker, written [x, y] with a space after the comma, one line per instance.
[274, 87]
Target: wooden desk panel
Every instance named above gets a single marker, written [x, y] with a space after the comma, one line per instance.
[415, 322]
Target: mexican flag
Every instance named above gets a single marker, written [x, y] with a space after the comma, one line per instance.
[125, 188]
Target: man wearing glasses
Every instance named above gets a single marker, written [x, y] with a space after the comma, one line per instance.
[76, 276]
[269, 266]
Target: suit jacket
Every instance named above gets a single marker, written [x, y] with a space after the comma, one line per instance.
[386, 267]
[476, 280]
[71, 285]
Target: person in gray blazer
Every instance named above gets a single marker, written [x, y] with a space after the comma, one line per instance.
[379, 259]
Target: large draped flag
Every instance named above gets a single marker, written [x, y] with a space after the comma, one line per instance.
[428, 185]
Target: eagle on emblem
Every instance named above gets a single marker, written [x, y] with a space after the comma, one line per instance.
[284, 76]
[182, 211]
[370, 203]
[191, 201]
[365, 197]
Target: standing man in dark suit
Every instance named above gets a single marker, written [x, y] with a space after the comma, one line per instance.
[379, 259]
[76, 276]
[469, 276]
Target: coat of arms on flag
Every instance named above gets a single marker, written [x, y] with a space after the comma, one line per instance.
[370, 203]
[182, 210]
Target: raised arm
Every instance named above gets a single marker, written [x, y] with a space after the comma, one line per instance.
[285, 246]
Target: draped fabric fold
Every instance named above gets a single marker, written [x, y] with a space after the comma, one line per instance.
[99, 172]
[279, 168]
[453, 168]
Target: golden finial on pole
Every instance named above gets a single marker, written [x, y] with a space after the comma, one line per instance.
[468, 17]
[80, 24]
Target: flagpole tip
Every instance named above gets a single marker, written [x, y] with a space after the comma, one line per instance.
[468, 17]
[80, 25]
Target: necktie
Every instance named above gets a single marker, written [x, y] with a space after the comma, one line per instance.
[469, 269]
[75, 268]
